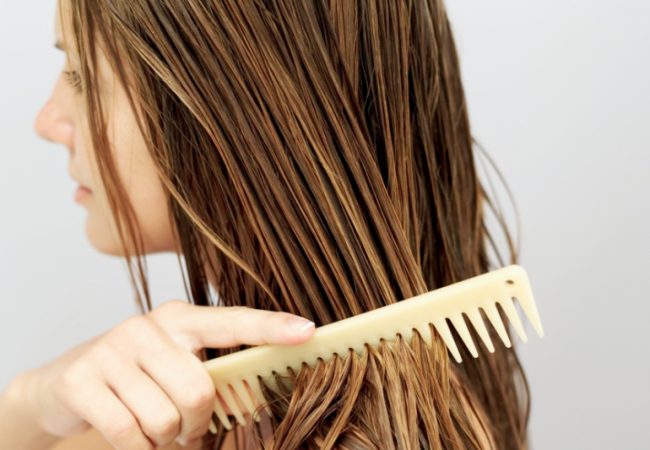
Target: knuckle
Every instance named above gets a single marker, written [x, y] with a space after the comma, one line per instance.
[136, 330]
[199, 398]
[173, 304]
[165, 313]
[70, 377]
[168, 307]
[134, 324]
[122, 428]
[165, 424]
[74, 376]
[101, 351]
[106, 356]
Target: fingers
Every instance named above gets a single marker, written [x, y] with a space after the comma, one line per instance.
[157, 415]
[105, 412]
[148, 390]
[185, 381]
[166, 388]
[138, 384]
[218, 327]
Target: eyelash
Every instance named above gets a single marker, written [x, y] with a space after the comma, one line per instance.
[73, 79]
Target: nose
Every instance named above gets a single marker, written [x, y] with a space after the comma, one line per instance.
[53, 121]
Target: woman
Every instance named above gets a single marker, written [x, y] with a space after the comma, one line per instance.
[308, 158]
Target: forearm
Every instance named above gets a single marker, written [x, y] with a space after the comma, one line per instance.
[18, 427]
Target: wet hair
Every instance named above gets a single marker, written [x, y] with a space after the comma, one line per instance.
[318, 160]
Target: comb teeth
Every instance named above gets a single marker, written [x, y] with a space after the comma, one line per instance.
[236, 375]
[238, 401]
[478, 324]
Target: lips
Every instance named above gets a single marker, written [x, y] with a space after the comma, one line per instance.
[75, 178]
[81, 193]
[81, 185]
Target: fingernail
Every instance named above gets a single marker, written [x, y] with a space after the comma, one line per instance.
[301, 325]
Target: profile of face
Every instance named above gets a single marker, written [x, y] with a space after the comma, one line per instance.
[62, 120]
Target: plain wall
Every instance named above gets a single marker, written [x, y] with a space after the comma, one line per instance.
[558, 94]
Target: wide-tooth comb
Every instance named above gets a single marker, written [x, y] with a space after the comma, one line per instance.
[231, 373]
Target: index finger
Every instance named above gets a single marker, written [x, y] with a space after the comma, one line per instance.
[229, 326]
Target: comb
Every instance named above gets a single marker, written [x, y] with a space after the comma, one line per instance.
[236, 376]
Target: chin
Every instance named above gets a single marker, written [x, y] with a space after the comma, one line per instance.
[105, 240]
[101, 237]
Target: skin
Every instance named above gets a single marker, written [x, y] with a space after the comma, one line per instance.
[120, 382]
[62, 120]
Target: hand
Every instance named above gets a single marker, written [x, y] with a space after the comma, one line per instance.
[141, 384]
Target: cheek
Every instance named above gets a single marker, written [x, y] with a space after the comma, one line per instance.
[100, 227]
[149, 201]
[138, 174]
[152, 212]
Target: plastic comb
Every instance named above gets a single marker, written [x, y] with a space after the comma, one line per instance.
[231, 373]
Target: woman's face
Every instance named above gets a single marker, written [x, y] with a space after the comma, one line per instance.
[62, 120]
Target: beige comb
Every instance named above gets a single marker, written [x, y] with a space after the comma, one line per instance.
[232, 372]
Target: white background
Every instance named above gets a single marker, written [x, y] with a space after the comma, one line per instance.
[558, 94]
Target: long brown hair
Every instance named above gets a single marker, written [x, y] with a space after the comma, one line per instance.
[318, 160]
